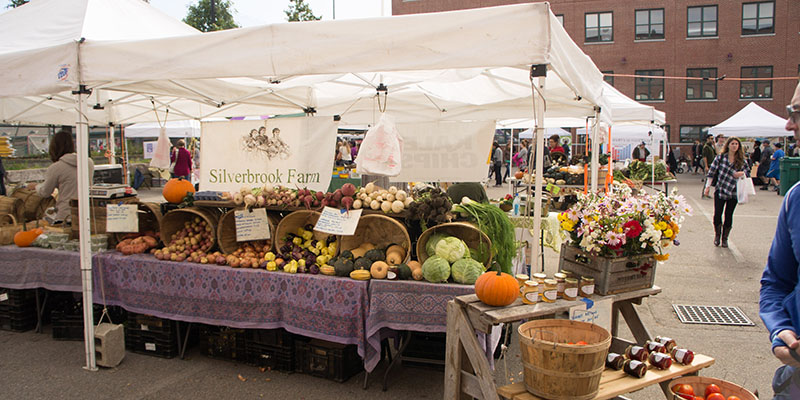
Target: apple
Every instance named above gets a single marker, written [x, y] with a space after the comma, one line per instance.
[712, 388]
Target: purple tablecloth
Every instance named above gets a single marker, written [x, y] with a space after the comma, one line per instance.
[33, 267]
[317, 306]
[406, 305]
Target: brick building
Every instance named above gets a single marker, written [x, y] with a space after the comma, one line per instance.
[679, 38]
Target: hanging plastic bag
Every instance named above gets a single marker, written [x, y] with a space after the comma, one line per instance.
[161, 155]
[744, 189]
[381, 152]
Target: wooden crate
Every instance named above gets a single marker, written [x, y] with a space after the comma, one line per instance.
[611, 275]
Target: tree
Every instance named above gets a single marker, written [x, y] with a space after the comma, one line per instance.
[16, 3]
[211, 15]
[300, 11]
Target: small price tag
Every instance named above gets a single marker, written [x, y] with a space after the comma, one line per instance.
[122, 218]
[251, 225]
[144, 327]
[338, 222]
[150, 346]
[552, 189]
[4, 297]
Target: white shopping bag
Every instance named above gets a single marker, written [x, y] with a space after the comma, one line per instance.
[381, 152]
[744, 189]
[161, 155]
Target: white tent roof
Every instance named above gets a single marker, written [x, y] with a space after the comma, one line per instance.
[624, 109]
[528, 133]
[625, 134]
[752, 121]
[175, 129]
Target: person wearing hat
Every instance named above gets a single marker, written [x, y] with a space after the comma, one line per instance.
[640, 152]
[774, 172]
[779, 302]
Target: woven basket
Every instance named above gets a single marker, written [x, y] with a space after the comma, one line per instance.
[554, 369]
[9, 226]
[226, 231]
[33, 205]
[174, 220]
[13, 206]
[299, 219]
[379, 230]
[149, 219]
[699, 384]
[465, 231]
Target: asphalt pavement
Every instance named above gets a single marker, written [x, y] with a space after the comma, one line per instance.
[35, 366]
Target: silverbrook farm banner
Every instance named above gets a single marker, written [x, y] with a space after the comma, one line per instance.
[445, 151]
[282, 151]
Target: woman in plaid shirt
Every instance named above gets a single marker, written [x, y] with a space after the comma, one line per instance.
[723, 173]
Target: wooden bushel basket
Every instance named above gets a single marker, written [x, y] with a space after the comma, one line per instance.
[226, 231]
[33, 205]
[174, 221]
[555, 370]
[299, 219]
[379, 230]
[149, 219]
[469, 233]
[13, 206]
[699, 384]
[9, 227]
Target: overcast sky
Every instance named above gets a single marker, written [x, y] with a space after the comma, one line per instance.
[261, 12]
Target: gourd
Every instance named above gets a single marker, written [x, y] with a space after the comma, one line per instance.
[26, 238]
[394, 258]
[436, 269]
[404, 272]
[414, 265]
[176, 189]
[417, 274]
[379, 270]
[396, 248]
[496, 288]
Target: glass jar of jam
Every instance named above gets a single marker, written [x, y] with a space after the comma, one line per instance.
[550, 293]
[521, 278]
[571, 289]
[615, 361]
[561, 283]
[567, 274]
[637, 353]
[655, 347]
[660, 360]
[530, 293]
[539, 277]
[683, 356]
[634, 368]
[668, 343]
[586, 286]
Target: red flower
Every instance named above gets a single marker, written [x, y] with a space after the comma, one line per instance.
[632, 229]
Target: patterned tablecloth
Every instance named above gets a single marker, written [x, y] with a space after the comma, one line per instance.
[406, 305]
[317, 306]
[33, 267]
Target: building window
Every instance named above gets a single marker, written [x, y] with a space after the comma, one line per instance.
[756, 89]
[758, 18]
[560, 18]
[705, 89]
[600, 27]
[690, 133]
[607, 78]
[701, 21]
[650, 24]
[650, 88]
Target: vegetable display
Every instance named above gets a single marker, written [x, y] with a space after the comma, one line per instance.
[466, 271]
[138, 244]
[494, 223]
[436, 269]
[643, 171]
[176, 189]
[496, 288]
[431, 207]
[193, 240]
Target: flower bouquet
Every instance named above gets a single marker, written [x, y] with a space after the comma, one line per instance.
[620, 224]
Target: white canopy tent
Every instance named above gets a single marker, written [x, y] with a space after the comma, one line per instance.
[752, 121]
[528, 133]
[175, 129]
[474, 65]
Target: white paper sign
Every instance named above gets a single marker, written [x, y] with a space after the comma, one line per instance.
[599, 313]
[4, 297]
[251, 224]
[149, 149]
[338, 222]
[445, 151]
[293, 152]
[122, 218]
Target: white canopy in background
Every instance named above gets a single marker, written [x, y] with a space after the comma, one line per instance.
[752, 121]
[528, 134]
[175, 129]
[627, 134]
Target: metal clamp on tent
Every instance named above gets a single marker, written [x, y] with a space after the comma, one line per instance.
[385, 91]
[309, 110]
[538, 70]
[82, 89]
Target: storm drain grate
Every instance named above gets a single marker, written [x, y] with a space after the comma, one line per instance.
[712, 315]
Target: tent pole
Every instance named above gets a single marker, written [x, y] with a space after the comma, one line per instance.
[595, 154]
[84, 181]
[539, 109]
[112, 146]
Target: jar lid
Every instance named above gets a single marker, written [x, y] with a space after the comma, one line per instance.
[531, 283]
[521, 277]
[587, 278]
[540, 275]
[572, 280]
[550, 282]
[560, 275]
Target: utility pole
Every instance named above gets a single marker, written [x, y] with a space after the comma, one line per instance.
[213, 17]
[334, 9]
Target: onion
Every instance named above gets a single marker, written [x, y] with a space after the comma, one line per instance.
[261, 201]
[357, 204]
[250, 200]
[392, 189]
[390, 197]
[238, 198]
[374, 205]
[397, 206]
[268, 188]
[379, 198]
[370, 188]
[400, 195]
[408, 201]
[386, 206]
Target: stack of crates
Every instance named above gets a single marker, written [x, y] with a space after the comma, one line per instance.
[425, 350]
[17, 309]
[145, 334]
[328, 360]
[224, 343]
[271, 348]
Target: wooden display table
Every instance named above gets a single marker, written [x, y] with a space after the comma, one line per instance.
[615, 383]
[467, 370]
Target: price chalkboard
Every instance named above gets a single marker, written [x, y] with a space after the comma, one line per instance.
[338, 222]
[122, 218]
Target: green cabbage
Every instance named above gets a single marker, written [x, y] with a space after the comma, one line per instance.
[466, 271]
[430, 246]
[451, 249]
[436, 269]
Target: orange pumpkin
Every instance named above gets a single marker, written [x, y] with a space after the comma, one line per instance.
[496, 289]
[519, 175]
[26, 238]
[176, 189]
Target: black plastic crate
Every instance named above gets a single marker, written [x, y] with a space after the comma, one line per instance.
[270, 357]
[271, 337]
[327, 360]
[152, 344]
[18, 322]
[425, 350]
[149, 323]
[16, 299]
[17, 309]
[69, 326]
[225, 343]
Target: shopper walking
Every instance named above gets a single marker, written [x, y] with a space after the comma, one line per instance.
[774, 173]
[709, 153]
[723, 173]
[183, 160]
[763, 163]
[696, 156]
[755, 155]
[497, 163]
[779, 304]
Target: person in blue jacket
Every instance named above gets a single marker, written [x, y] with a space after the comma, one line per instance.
[779, 303]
